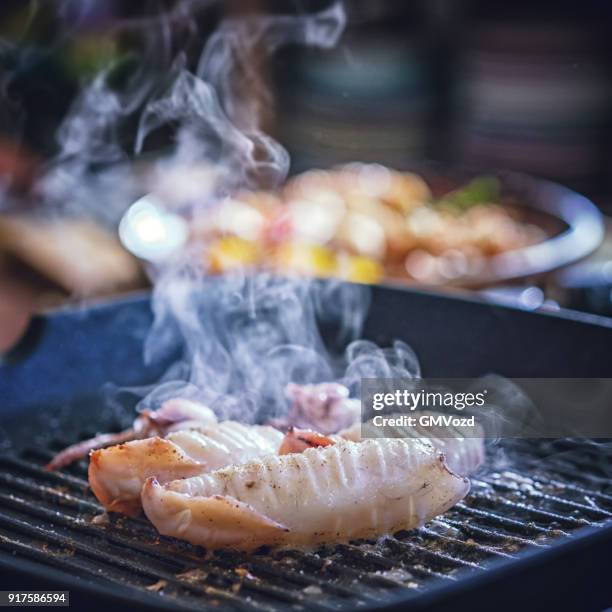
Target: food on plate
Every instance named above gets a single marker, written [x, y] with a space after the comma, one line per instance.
[117, 473]
[333, 493]
[174, 414]
[364, 222]
[463, 447]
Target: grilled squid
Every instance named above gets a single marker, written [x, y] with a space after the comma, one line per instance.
[463, 447]
[298, 440]
[325, 407]
[174, 414]
[117, 474]
[333, 493]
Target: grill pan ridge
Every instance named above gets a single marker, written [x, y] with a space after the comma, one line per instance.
[47, 517]
[541, 514]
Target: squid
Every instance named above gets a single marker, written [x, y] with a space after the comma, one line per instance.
[327, 493]
[324, 407]
[463, 447]
[174, 414]
[117, 474]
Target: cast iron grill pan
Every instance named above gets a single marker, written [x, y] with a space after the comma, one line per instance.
[536, 530]
[546, 491]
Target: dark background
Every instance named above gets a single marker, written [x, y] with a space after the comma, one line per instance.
[521, 85]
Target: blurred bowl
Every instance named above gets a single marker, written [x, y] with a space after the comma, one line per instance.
[573, 223]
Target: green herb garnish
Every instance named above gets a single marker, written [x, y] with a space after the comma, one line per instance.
[481, 190]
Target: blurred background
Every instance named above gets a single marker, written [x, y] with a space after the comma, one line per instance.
[489, 85]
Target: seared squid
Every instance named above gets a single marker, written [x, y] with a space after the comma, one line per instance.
[173, 415]
[325, 407]
[333, 493]
[463, 447]
[298, 440]
[116, 474]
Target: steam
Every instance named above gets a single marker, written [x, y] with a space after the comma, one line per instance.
[214, 112]
[219, 107]
[91, 174]
[365, 359]
[206, 133]
[229, 54]
[235, 342]
[240, 339]
[78, 178]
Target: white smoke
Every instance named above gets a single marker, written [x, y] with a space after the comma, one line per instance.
[240, 339]
[212, 110]
[77, 179]
[234, 342]
[92, 174]
[218, 107]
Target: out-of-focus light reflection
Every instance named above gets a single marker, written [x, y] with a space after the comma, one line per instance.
[531, 298]
[151, 233]
[527, 298]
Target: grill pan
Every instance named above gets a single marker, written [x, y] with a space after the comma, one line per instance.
[536, 530]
